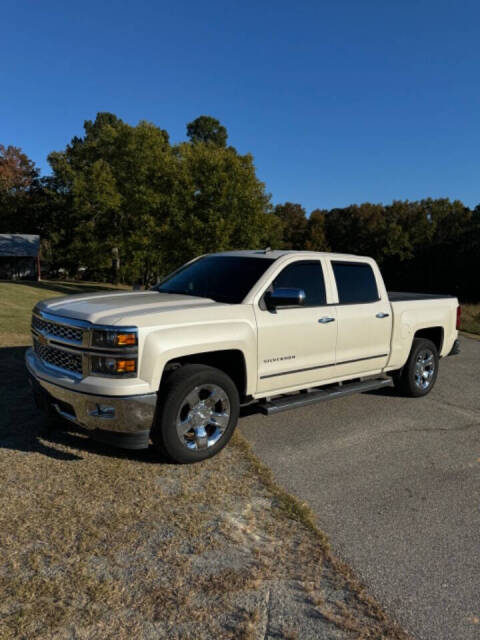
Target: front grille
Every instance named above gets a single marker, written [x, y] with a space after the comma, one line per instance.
[58, 357]
[73, 334]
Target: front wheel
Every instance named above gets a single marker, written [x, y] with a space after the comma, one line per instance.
[420, 372]
[198, 413]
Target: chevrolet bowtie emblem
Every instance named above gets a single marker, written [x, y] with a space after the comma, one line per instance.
[42, 340]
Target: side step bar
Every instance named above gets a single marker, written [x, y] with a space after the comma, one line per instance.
[304, 398]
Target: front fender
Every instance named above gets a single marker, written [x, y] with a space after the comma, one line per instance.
[168, 343]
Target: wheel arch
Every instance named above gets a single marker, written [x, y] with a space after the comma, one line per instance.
[434, 334]
[230, 361]
[230, 345]
[404, 346]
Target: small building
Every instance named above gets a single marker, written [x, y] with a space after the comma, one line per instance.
[19, 256]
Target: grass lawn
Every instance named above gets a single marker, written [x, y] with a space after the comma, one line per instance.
[18, 299]
[470, 318]
[101, 543]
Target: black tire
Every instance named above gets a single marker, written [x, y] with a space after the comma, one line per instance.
[409, 380]
[180, 384]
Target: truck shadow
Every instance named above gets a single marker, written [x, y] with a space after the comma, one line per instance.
[24, 428]
[386, 391]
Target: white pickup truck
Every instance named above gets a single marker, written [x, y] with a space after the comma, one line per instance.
[281, 329]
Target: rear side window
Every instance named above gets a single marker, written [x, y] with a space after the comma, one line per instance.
[355, 282]
[306, 275]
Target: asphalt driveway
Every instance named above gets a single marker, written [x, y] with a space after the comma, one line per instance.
[395, 483]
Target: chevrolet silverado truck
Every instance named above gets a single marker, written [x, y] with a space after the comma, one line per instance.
[282, 329]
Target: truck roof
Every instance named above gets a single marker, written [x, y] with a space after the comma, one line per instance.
[278, 253]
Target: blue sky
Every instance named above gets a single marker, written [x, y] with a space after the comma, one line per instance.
[339, 102]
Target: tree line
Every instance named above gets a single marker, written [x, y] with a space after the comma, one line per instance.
[123, 203]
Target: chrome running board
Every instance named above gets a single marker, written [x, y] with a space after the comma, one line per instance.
[317, 394]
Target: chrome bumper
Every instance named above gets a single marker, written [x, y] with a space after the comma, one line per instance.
[119, 414]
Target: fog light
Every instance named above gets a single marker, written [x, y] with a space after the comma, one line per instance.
[107, 365]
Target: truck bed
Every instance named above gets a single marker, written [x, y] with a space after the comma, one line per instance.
[398, 296]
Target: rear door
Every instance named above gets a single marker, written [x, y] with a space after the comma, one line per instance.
[364, 318]
[296, 345]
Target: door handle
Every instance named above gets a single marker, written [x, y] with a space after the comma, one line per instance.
[326, 319]
[382, 315]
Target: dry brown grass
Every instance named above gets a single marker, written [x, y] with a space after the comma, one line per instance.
[358, 613]
[470, 318]
[100, 543]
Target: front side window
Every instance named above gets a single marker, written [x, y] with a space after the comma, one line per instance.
[221, 278]
[356, 282]
[306, 275]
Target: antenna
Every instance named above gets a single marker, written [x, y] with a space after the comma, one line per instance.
[267, 250]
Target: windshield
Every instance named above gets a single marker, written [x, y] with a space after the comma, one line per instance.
[221, 278]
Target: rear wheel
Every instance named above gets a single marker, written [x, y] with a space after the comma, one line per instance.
[198, 413]
[418, 376]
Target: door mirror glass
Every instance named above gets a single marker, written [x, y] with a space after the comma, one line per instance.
[283, 297]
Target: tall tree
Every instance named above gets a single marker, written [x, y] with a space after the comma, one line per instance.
[116, 177]
[293, 217]
[207, 129]
[136, 206]
[316, 234]
[19, 184]
[219, 203]
[17, 171]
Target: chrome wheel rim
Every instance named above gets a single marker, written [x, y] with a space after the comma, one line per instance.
[424, 369]
[203, 417]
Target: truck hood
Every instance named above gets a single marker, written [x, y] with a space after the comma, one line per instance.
[120, 308]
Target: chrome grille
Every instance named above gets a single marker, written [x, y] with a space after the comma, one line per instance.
[73, 334]
[58, 357]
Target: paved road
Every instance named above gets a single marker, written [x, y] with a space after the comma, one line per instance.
[395, 483]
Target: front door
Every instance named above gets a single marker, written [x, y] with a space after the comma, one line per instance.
[296, 345]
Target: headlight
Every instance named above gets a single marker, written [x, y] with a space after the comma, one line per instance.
[108, 338]
[113, 366]
[121, 345]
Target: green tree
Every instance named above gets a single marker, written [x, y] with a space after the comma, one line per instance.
[207, 129]
[218, 203]
[115, 181]
[316, 233]
[295, 224]
[367, 229]
[135, 207]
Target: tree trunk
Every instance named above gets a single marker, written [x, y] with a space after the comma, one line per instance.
[115, 265]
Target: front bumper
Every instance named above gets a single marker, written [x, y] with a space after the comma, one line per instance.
[129, 418]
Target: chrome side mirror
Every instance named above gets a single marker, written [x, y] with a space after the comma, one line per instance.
[284, 297]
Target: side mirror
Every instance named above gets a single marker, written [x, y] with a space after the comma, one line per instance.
[285, 298]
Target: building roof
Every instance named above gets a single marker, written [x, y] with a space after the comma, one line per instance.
[20, 245]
